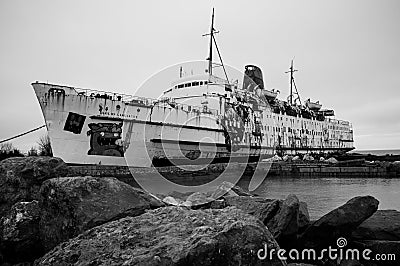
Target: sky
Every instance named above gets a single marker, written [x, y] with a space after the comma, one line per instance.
[347, 53]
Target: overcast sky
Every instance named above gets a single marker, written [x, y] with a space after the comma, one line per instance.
[347, 53]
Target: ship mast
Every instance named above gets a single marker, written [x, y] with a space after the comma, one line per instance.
[210, 55]
[292, 83]
[211, 50]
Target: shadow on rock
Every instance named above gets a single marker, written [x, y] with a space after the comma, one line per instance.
[71, 205]
[170, 236]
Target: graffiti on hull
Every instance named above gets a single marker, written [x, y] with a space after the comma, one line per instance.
[74, 123]
[105, 139]
[233, 125]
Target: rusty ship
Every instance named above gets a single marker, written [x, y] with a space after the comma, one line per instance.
[198, 119]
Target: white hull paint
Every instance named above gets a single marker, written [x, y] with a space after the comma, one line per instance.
[91, 127]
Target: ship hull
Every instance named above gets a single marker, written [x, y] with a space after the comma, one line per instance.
[89, 127]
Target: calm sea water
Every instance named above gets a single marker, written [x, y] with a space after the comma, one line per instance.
[321, 194]
[324, 194]
[379, 152]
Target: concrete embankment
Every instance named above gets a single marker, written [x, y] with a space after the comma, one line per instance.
[346, 169]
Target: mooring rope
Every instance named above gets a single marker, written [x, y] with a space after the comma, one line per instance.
[22, 134]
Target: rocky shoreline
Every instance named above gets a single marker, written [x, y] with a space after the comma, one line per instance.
[49, 217]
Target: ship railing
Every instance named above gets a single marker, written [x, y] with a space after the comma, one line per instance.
[187, 108]
[113, 96]
[144, 100]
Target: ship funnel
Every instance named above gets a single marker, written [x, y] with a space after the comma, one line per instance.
[252, 78]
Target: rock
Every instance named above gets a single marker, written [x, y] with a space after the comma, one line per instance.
[276, 158]
[296, 158]
[206, 197]
[394, 167]
[304, 216]
[169, 200]
[287, 158]
[388, 251]
[198, 199]
[170, 236]
[21, 178]
[20, 233]
[217, 204]
[280, 217]
[339, 223]
[179, 196]
[382, 225]
[332, 160]
[350, 263]
[284, 225]
[226, 189]
[267, 212]
[71, 205]
[262, 208]
[230, 189]
[307, 157]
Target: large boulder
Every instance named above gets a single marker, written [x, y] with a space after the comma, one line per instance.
[21, 178]
[339, 223]
[71, 205]
[170, 236]
[382, 225]
[282, 218]
[304, 216]
[262, 208]
[284, 225]
[20, 233]
[383, 252]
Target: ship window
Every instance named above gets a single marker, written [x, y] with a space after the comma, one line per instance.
[195, 83]
[188, 85]
[205, 82]
[201, 83]
[180, 86]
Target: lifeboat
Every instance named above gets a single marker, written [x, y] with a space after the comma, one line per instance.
[313, 105]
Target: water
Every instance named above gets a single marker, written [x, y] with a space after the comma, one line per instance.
[321, 194]
[378, 152]
[324, 194]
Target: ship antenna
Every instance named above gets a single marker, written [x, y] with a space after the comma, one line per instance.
[212, 40]
[292, 83]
